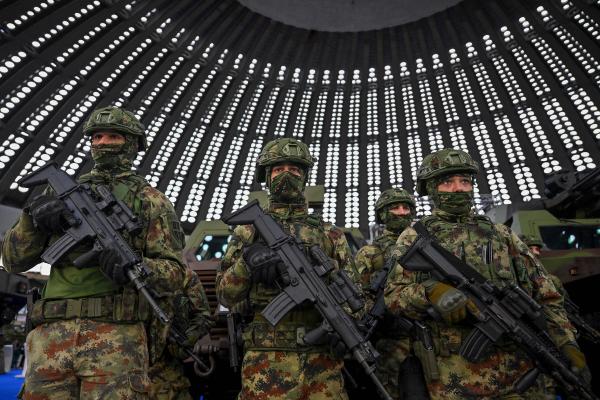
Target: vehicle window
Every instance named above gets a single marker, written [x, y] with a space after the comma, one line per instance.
[212, 247]
[571, 237]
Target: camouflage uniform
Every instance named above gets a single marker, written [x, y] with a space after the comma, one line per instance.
[192, 318]
[470, 236]
[89, 338]
[277, 364]
[393, 346]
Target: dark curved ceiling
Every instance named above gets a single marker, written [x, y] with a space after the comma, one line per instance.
[347, 15]
[514, 82]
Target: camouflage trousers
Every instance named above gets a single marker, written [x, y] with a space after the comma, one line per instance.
[490, 379]
[168, 379]
[392, 352]
[85, 359]
[288, 375]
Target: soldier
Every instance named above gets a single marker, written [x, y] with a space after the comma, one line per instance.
[277, 363]
[89, 339]
[446, 177]
[534, 243]
[396, 209]
[192, 319]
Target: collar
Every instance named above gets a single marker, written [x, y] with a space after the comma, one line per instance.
[458, 219]
[287, 210]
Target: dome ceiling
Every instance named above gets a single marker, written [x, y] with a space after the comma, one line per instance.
[514, 82]
[347, 15]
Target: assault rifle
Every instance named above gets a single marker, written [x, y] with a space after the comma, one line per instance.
[503, 313]
[583, 327]
[98, 219]
[305, 283]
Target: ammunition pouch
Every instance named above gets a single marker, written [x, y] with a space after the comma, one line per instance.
[125, 307]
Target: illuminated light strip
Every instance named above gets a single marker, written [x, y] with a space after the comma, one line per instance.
[434, 134]
[352, 174]
[302, 113]
[457, 136]
[331, 182]
[495, 177]
[529, 121]
[581, 100]
[372, 117]
[354, 109]
[288, 101]
[317, 129]
[373, 178]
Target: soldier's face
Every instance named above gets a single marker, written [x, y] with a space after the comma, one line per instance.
[400, 209]
[535, 250]
[456, 183]
[281, 168]
[107, 138]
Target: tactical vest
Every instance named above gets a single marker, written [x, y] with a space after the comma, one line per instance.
[288, 333]
[478, 242]
[87, 293]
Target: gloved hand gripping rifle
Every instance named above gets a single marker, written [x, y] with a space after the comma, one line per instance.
[305, 283]
[100, 222]
[503, 313]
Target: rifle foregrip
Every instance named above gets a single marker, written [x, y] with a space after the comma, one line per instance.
[278, 308]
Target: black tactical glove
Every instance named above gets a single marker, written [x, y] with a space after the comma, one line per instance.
[111, 265]
[264, 264]
[50, 214]
[337, 347]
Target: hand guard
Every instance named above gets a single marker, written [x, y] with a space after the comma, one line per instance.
[111, 265]
[264, 264]
[50, 214]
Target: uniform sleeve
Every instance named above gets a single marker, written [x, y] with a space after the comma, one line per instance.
[403, 295]
[163, 244]
[23, 244]
[233, 279]
[199, 303]
[365, 262]
[544, 292]
[341, 251]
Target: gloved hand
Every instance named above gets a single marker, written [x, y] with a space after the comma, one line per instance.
[111, 265]
[448, 301]
[50, 214]
[264, 264]
[577, 360]
[337, 347]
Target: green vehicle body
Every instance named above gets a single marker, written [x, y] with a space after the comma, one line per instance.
[571, 248]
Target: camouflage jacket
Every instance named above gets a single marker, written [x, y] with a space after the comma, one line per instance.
[160, 241]
[234, 283]
[511, 261]
[372, 257]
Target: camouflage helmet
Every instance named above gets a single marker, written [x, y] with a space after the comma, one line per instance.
[118, 120]
[532, 240]
[444, 162]
[280, 151]
[392, 196]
